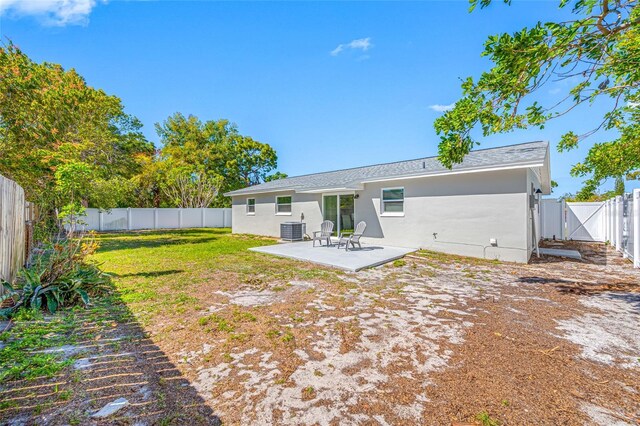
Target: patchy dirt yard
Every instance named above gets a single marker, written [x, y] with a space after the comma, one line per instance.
[200, 330]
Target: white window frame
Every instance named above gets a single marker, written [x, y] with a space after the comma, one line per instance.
[251, 213]
[382, 212]
[279, 213]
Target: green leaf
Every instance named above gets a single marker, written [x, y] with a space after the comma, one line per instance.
[52, 303]
[83, 295]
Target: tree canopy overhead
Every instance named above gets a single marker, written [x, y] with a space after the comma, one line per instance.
[54, 128]
[70, 146]
[213, 150]
[598, 53]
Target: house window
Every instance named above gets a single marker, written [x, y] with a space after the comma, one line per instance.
[283, 205]
[392, 201]
[251, 206]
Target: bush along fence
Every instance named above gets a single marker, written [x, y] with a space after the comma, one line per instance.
[616, 221]
[127, 219]
[15, 230]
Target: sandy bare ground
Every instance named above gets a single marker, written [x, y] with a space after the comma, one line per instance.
[432, 340]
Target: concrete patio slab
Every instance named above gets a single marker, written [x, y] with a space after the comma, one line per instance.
[572, 254]
[353, 260]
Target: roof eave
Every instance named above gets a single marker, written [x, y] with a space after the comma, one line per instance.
[457, 172]
[543, 164]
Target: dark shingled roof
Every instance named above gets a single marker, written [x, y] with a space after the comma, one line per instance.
[511, 155]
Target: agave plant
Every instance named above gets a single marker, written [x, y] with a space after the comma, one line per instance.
[58, 277]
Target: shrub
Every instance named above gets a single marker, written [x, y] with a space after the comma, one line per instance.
[60, 274]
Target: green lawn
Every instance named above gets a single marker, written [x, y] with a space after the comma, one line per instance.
[164, 271]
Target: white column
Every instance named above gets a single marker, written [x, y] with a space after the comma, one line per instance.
[180, 217]
[202, 213]
[636, 228]
[100, 220]
[128, 218]
[619, 219]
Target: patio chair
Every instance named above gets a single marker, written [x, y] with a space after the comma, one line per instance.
[347, 238]
[324, 234]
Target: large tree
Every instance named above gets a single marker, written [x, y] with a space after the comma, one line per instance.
[55, 129]
[597, 53]
[211, 151]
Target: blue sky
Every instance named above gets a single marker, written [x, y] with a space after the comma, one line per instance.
[328, 84]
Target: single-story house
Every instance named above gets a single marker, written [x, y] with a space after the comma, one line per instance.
[484, 207]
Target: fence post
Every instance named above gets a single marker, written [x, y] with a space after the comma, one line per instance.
[612, 221]
[100, 220]
[606, 221]
[180, 217]
[636, 227]
[614, 235]
[626, 222]
[155, 218]
[128, 218]
[619, 218]
[202, 213]
[563, 219]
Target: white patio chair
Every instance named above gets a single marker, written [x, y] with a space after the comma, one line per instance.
[347, 238]
[324, 234]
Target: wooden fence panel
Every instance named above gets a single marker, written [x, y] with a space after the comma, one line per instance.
[12, 229]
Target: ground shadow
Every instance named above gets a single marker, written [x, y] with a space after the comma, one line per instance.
[583, 288]
[148, 274]
[591, 252]
[153, 239]
[110, 357]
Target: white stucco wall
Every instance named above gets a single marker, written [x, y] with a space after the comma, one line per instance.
[265, 221]
[533, 183]
[463, 211]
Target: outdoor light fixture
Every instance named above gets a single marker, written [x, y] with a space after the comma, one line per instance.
[538, 192]
[356, 196]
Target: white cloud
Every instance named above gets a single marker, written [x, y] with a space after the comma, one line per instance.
[633, 104]
[363, 44]
[51, 12]
[442, 108]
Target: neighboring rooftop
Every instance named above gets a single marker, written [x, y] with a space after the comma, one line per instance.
[520, 155]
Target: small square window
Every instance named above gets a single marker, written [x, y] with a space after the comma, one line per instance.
[283, 205]
[251, 205]
[393, 201]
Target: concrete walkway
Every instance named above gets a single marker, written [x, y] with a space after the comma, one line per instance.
[353, 260]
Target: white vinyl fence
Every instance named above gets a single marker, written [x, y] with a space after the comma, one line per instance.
[552, 219]
[127, 219]
[616, 220]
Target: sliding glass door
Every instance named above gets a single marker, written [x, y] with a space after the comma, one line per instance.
[330, 210]
[346, 213]
[340, 210]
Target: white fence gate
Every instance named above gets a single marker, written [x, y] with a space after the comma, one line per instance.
[616, 220]
[127, 219]
[585, 221]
